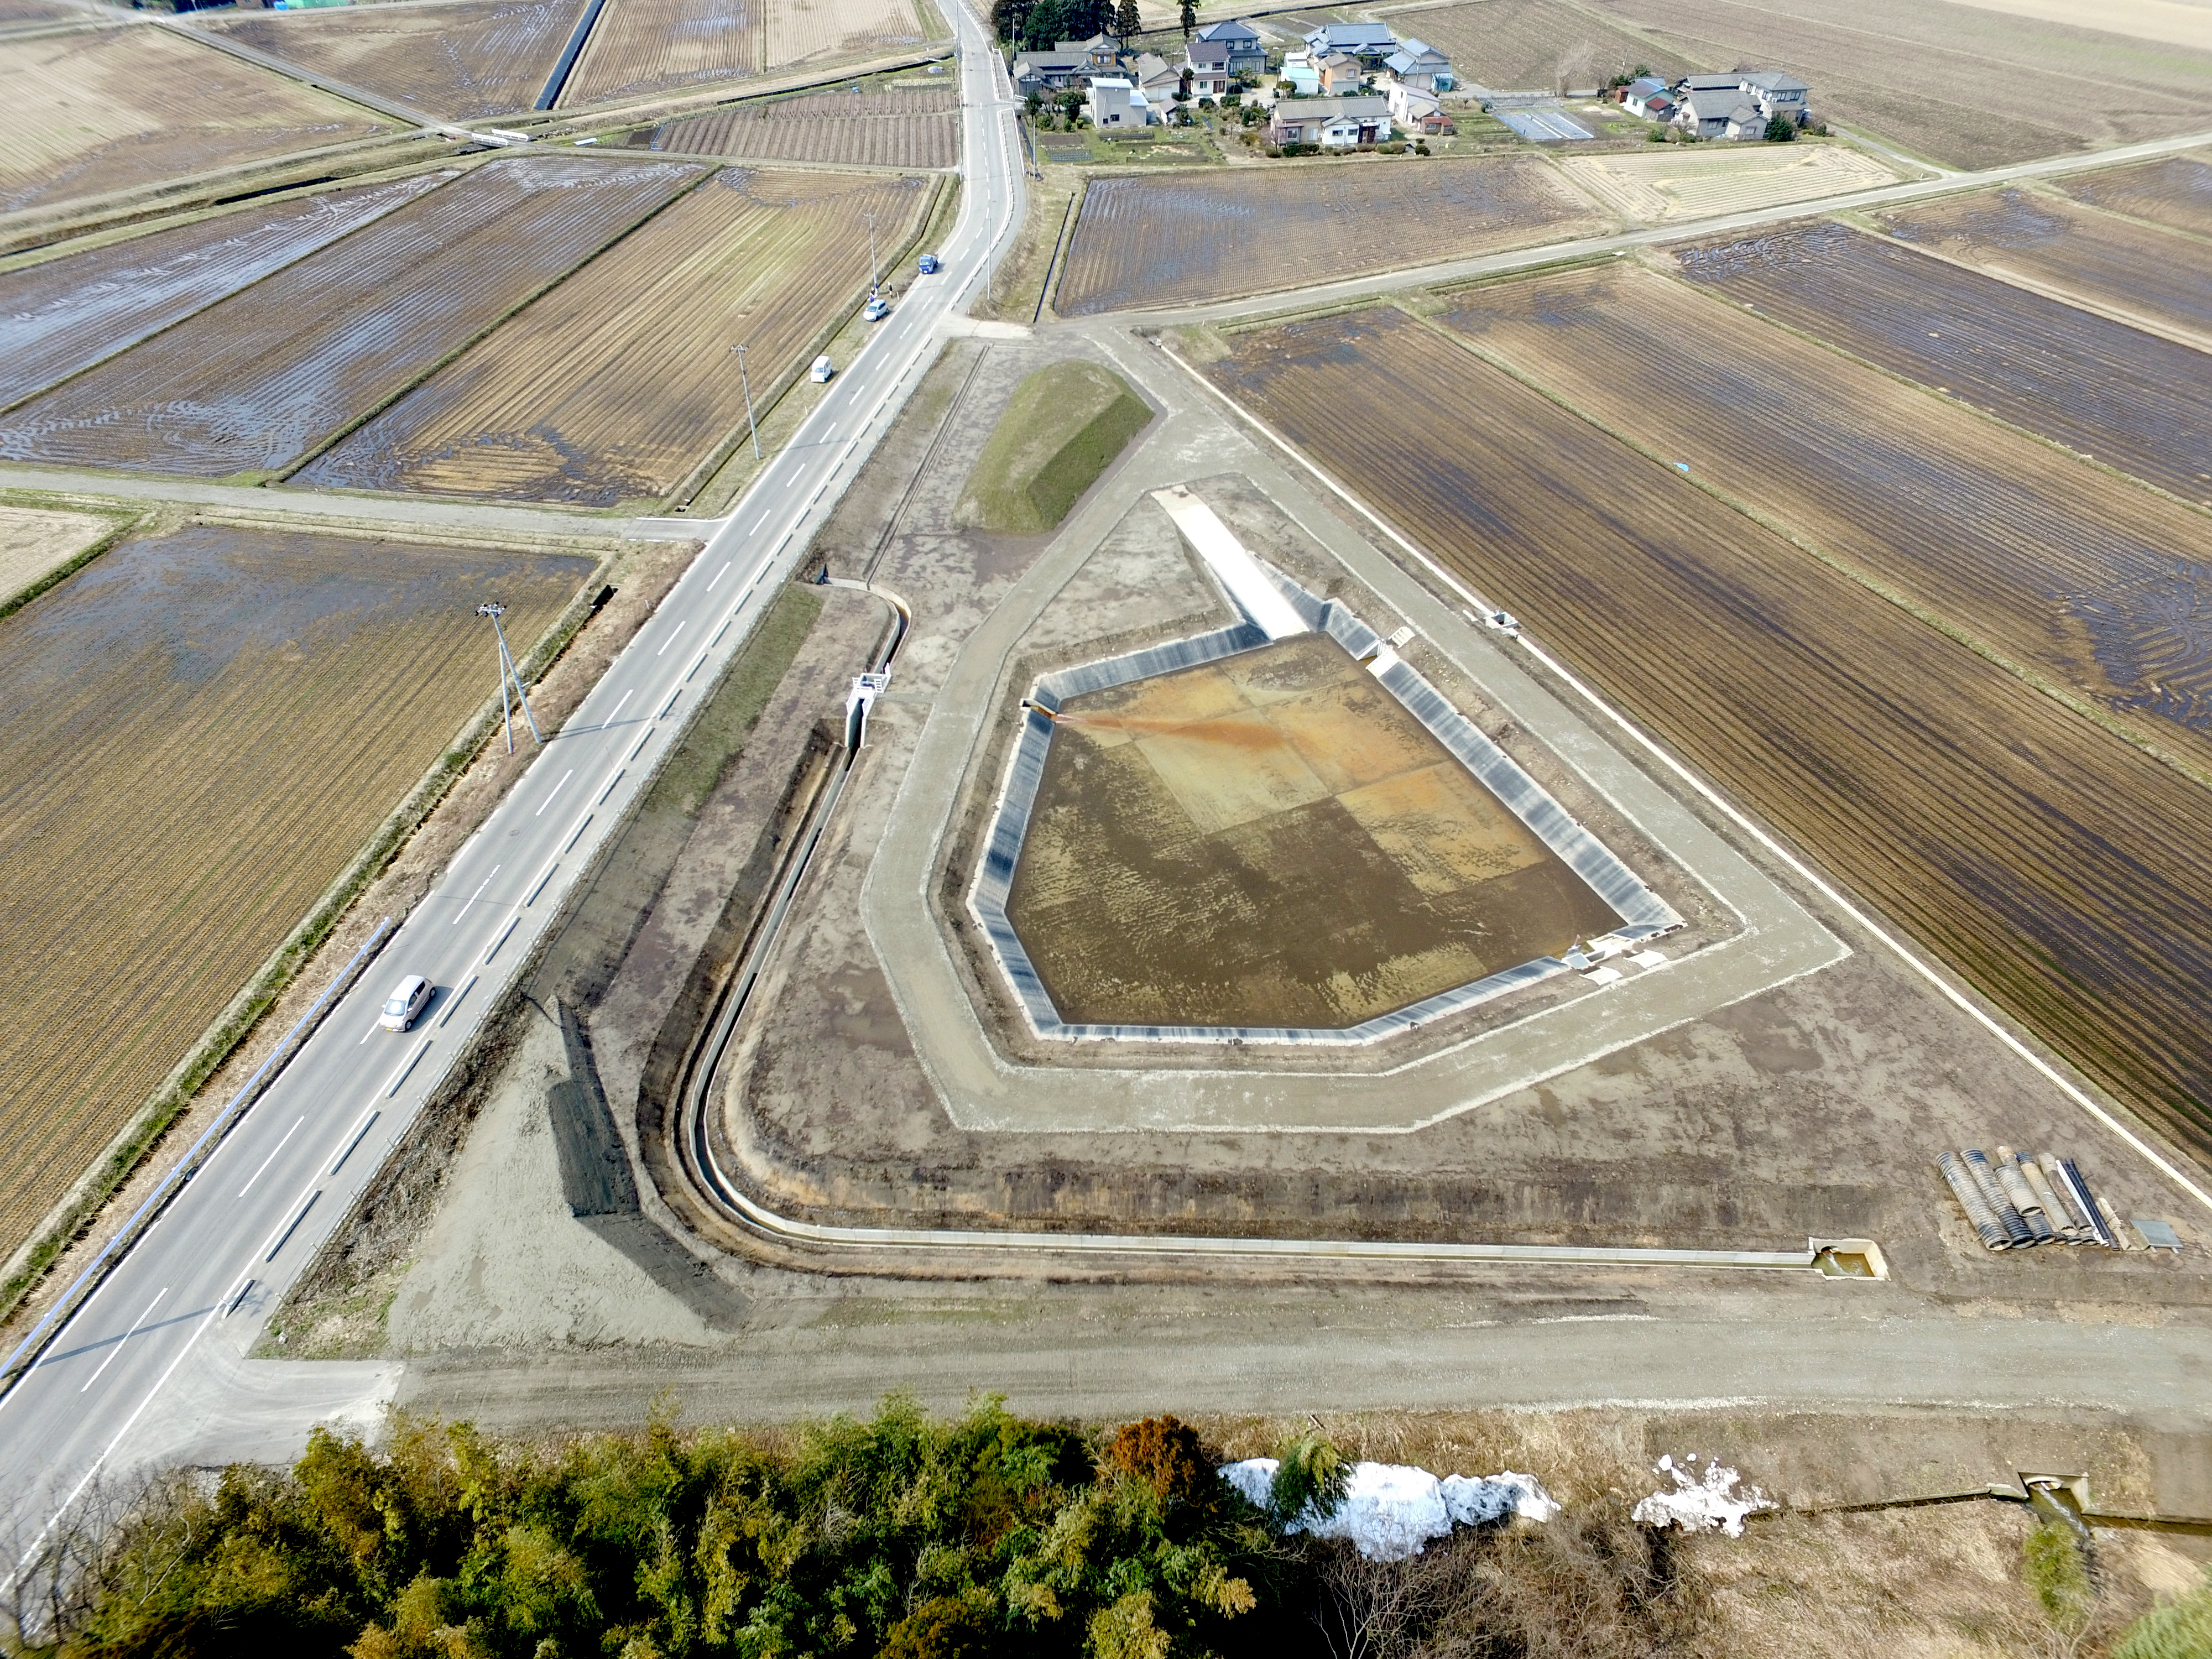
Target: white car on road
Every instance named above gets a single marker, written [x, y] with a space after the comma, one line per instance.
[406, 1003]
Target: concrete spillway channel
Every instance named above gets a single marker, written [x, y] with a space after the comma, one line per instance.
[565, 64]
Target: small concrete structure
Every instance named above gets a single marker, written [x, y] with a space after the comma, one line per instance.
[1115, 105]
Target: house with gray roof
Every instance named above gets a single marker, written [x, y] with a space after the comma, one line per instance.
[1416, 64]
[1370, 42]
[1331, 123]
[1248, 54]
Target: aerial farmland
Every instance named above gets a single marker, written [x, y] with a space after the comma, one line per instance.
[239, 709]
[2131, 399]
[103, 110]
[259, 380]
[2176, 192]
[1166, 240]
[883, 126]
[545, 408]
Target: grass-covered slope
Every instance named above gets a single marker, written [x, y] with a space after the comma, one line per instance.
[1062, 428]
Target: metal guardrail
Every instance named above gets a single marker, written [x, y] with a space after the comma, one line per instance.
[27, 1352]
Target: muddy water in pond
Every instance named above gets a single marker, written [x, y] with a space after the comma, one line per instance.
[1273, 840]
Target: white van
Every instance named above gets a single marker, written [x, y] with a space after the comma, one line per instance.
[823, 369]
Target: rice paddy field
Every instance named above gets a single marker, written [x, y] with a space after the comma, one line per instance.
[2046, 242]
[66, 314]
[1181, 239]
[1960, 84]
[2054, 866]
[639, 46]
[2100, 586]
[802, 31]
[2174, 191]
[475, 57]
[255, 382]
[2131, 399]
[898, 127]
[96, 111]
[200, 731]
[1668, 182]
[1536, 45]
[612, 386]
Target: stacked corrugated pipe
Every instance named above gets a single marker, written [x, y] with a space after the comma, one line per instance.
[2015, 1202]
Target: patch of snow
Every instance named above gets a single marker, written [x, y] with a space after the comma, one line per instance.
[1699, 1505]
[1391, 1510]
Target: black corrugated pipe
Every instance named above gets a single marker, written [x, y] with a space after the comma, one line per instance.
[1977, 1164]
[1984, 1220]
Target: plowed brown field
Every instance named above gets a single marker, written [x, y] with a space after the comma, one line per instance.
[70, 313]
[806, 31]
[2048, 862]
[1972, 88]
[895, 129]
[2042, 242]
[112, 109]
[2131, 399]
[2176, 191]
[255, 382]
[473, 58]
[644, 46]
[200, 731]
[615, 384]
[1543, 45]
[1181, 238]
[2098, 584]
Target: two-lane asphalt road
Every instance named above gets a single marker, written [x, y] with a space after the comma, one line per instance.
[164, 1336]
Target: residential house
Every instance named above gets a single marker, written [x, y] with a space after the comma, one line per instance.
[1717, 107]
[1332, 123]
[1208, 63]
[1777, 93]
[1370, 42]
[1042, 74]
[1649, 97]
[1418, 64]
[1247, 56]
[1102, 52]
[1340, 73]
[1115, 105]
[1156, 78]
[1418, 110]
[1298, 69]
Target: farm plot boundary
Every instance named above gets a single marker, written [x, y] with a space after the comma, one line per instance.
[2061, 573]
[255, 384]
[2174, 191]
[1171, 240]
[2142, 275]
[642, 46]
[920, 129]
[550, 408]
[206, 1011]
[62, 316]
[2132, 400]
[2041, 860]
[98, 111]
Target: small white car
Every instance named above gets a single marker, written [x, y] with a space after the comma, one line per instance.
[406, 1003]
[823, 369]
[876, 309]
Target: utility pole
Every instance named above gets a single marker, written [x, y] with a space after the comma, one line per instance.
[508, 671]
[875, 282]
[748, 385]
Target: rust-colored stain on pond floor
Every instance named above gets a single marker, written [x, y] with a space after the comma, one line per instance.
[1273, 840]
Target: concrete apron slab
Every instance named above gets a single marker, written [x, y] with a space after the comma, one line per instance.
[1778, 940]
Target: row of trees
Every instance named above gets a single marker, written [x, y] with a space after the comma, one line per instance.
[1039, 25]
[899, 1537]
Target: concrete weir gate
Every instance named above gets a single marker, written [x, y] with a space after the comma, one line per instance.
[1279, 832]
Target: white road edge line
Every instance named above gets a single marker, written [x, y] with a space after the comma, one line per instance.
[271, 1158]
[125, 1337]
[1951, 992]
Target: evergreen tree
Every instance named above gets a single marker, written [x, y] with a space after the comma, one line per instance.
[1127, 23]
[1189, 18]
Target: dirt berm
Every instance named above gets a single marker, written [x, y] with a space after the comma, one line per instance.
[1063, 427]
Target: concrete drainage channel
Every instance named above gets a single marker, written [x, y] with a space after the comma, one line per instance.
[696, 1164]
